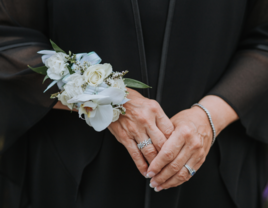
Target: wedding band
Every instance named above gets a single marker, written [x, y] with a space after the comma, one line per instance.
[144, 143]
[191, 171]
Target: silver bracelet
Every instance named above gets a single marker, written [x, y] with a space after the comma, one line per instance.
[210, 121]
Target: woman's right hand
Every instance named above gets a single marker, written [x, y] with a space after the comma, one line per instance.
[144, 119]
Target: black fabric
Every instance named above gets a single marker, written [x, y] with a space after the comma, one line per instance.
[50, 158]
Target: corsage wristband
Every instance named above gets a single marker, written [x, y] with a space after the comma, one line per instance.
[94, 89]
[210, 121]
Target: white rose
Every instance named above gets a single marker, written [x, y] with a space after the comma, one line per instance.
[56, 65]
[119, 83]
[64, 97]
[116, 114]
[94, 75]
[74, 85]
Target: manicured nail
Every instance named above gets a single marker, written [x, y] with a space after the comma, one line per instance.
[151, 185]
[145, 174]
[150, 175]
[154, 184]
[159, 188]
[156, 189]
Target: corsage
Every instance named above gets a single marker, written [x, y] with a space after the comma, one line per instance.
[94, 89]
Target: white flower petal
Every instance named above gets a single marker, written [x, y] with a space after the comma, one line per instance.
[60, 84]
[116, 114]
[103, 117]
[124, 101]
[84, 98]
[52, 75]
[113, 95]
[45, 57]
[88, 121]
[108, 69]
[81, 111]
[94, 90]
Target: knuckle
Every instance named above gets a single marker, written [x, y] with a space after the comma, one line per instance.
[131, 128]
[175, 167]
[168, 131]
[135, 155]
[150, 126]
[169, 155]
[160, 180]
[159, 145]
[182, 177]
[142, 167]
[149, 152]
[196, 144]
[186, 131]
[122, 135]
[142, 119]
[154, 105]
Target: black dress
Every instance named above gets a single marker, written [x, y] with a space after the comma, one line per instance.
[185, 49]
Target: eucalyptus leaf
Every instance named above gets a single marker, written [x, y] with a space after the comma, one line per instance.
[45, 78]
[135, 83]
[70, 69]
[56, 48]
[40, 70]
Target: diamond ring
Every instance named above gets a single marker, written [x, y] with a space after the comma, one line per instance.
[144, 143]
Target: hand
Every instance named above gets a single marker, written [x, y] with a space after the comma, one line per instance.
[189, 143]
[144, 119]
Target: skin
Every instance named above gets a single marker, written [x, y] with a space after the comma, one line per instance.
[184, 139]
[189, 143]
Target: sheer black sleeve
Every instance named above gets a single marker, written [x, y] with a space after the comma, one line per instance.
[245, 84]
[23, 29]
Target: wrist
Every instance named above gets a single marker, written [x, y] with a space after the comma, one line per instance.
[221, 112]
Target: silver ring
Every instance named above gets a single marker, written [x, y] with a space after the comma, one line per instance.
[191, 171]
[144, 143]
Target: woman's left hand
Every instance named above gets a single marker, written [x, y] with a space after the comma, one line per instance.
[189, 144]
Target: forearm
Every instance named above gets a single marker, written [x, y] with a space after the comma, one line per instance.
[221, 112]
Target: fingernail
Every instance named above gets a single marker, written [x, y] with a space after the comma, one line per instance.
[154, 184]
[151, 185]
[150, 175]
[159, 188]
[145, 174]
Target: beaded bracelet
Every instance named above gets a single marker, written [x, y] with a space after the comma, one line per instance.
[210, 121]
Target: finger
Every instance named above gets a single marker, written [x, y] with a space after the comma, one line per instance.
[172, 168]
[139, 135]
[149, 152]
[137, 156]
[164, 124]
[175, 181]
[168, 153]
[182, 175]
[192, 153]
[157, 137]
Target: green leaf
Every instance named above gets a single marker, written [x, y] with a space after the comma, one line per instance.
[135, 84]
[70, 69]
[56, 48]
[40, 70]
[45, 78]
